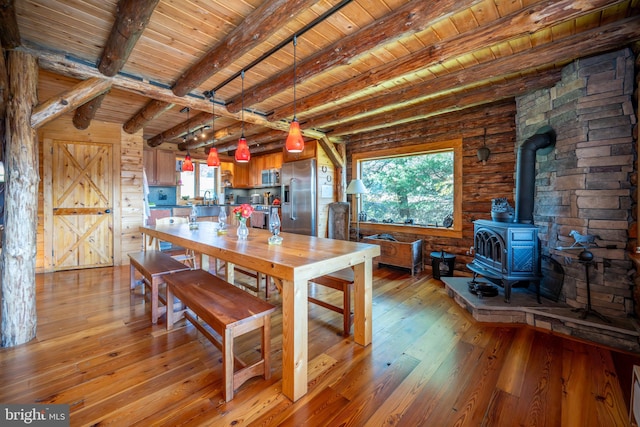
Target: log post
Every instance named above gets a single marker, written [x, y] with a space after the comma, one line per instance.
[18, 260]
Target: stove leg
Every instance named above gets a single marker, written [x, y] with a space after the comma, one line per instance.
[507, 290]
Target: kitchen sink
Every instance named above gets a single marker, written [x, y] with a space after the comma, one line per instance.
[207, 210]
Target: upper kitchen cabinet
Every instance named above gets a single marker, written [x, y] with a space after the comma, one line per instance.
[160, 166]
[261, 163]
[241, 175]
[309, 152]
[249, 175]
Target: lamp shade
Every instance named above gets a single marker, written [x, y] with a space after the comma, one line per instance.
[212, 158]
[356, 186]
[295, 142]
[242, 152]
[483, 154]
[187, 165]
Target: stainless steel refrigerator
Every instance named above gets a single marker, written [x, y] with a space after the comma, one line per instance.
[298, 181]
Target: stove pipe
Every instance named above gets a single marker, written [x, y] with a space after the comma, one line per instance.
[544, 138]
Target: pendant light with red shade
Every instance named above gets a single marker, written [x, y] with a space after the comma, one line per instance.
[242, 151]
[212, 158]
[295, 142]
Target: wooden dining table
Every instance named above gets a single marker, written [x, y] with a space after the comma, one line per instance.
[297, 260]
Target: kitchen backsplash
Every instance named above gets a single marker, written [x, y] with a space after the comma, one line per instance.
[162, 195]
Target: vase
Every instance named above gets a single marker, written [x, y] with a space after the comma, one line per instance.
[243, 230]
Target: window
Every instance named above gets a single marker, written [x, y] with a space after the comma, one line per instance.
[414, 186]
[202, 179]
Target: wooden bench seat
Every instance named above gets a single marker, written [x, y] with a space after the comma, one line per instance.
[153, 266]
[230, 312]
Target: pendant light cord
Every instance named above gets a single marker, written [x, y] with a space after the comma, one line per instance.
[213, 119]
[242, 104]
[295, 74]
[188, 129]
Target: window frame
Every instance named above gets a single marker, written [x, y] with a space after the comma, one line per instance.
[196, 171]
[426, 148]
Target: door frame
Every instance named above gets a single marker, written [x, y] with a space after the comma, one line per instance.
[47, 186]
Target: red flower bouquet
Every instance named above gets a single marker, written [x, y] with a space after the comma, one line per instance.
[243, 211]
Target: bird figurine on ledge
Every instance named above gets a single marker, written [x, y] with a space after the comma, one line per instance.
[584, 240]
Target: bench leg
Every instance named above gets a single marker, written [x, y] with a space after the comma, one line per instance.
[227, 363]
[154, 301]
[132, 276]
[169, 312]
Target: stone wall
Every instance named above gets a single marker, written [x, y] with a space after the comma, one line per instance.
[584, 184]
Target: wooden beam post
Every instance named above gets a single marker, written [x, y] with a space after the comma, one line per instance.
[18, 260]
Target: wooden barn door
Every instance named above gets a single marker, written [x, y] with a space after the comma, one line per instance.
[81, 204]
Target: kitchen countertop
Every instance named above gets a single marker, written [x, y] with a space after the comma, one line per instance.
[188, 206]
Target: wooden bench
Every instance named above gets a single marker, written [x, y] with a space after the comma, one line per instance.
[230, 312]
[153, 266]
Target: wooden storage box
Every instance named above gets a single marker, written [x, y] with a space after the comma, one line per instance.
[398, 253]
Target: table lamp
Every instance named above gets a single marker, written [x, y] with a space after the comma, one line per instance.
[357, 187]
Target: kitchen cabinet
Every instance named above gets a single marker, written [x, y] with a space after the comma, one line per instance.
[160, 166]
[249, 175]
[309, 152]
[241, 172]
[260, 163]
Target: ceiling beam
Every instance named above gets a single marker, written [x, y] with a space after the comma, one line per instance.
[255, 29]
[261, 24]
[59, 64]
[68, 100]
[525, 21]
[560, 51]
[9, 32]
[132, 17]
[454, 102]
[183, 128]
[410, 18]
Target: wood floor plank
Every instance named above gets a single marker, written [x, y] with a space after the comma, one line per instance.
[607, 389]
[471, 399]
[430, 363]
[542, 386]
[511, 378]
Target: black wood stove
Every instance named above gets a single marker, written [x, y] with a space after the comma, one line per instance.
[508, 252]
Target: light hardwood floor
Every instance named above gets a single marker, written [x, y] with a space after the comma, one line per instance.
[430, 364]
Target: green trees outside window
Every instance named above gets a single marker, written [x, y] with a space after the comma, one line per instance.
[413, 189]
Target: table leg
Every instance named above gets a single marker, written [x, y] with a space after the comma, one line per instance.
[205, 264]
[294, 338]
[229, 272]
[363, 300]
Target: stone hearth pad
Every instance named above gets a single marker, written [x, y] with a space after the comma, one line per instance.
[621, 333]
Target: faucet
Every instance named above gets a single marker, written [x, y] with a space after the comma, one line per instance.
[204, 198]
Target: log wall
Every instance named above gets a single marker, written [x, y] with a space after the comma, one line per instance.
[481, 183]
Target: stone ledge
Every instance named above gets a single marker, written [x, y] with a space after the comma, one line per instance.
[621, 333]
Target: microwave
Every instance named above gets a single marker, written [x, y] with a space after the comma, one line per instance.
[271, 177]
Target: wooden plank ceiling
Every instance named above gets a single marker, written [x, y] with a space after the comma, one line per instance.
[360, 64]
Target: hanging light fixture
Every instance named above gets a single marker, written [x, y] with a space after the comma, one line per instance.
[295, 142]
[212, 158]
[187, 164]
[242, 151]
[484, 152]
